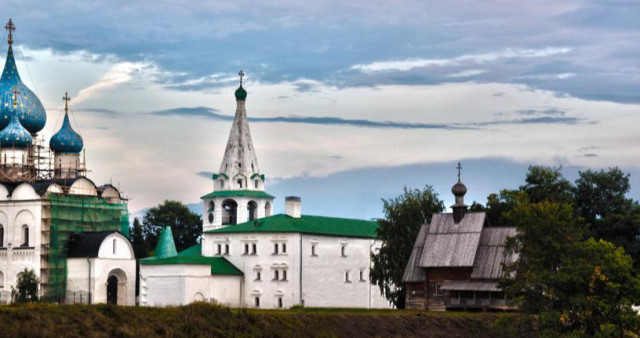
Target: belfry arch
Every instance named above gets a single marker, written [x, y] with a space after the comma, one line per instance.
[229, 212]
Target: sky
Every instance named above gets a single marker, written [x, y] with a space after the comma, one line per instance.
[349, 102]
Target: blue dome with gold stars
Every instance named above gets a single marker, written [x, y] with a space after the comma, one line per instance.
[30, 111]
[14, 135]
[66, 140]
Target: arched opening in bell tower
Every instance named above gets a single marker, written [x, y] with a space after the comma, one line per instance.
[230, 212]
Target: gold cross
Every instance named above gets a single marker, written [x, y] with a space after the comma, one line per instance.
[66, 99]
[10, 27]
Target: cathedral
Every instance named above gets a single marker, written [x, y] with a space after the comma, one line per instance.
[54, 220]
[250, 258]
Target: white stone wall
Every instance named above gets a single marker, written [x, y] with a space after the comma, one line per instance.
[120, 263]
[321, 279]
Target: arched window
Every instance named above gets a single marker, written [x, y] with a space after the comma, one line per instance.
[267, 209]
[114, 246]
[252, 210]
[1, 280]
[1, 236]
[25, 235]
[212, 206]
[230, 212]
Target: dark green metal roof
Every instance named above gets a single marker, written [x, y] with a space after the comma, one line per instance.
[318, 225]
[193, 256]
[243, 193]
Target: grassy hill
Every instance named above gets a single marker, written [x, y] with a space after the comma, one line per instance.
[207, 320]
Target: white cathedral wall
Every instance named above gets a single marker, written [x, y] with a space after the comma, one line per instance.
[22, 208]
[175, 284]
[226, 290]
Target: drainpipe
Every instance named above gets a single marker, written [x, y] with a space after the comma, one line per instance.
[300, 281]
[373, 242]
[89, 282]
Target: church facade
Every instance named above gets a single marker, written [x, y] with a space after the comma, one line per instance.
[250, 258]
[53, 219]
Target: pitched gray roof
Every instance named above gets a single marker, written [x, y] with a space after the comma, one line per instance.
[452, 245]
[414, 273]
[490, 255]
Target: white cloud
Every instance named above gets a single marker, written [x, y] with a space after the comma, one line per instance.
[118, 74]
[509, 53]
[467, 73]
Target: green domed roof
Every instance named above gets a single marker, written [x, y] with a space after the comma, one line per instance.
[241, 94]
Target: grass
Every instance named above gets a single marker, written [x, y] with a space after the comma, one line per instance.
[204, 320]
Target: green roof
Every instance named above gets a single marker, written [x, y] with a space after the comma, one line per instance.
[243, 193]
[193, 256]
[166, 246]
[317, 225]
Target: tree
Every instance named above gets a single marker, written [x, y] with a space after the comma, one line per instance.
[185, 225]
[404, 216]
[547, 183]
[26, 289]
[140, 245]
[546, 231]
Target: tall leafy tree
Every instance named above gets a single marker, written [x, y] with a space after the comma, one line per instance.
[26, 289]
[547, 183]
[185, 225]
[140, 245]
[403, 217]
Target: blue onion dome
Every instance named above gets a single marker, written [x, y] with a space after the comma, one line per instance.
[14, 135]
[66, 140]
[241, 94]
[30, 111]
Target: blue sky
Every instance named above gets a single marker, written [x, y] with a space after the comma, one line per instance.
[349, 101]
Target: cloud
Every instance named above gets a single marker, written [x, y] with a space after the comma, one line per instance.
[194, 112]
[100, 111]
[509, 53]
[550, 112]
[467, 73]
[118, 74]
[205, 174]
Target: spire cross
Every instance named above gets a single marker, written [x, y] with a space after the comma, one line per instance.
[459, 167]
[10, 27]
[241, 73]
[66, 99]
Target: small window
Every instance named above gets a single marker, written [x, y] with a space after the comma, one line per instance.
[276, 275]
[1, 236]
[210, 217]
[226, 249]
[346, 277]
[284, 275]
[275, 248]
[313, 250]
[239, 183]
[258, 275]
[114, 246]
[25, 230]
[257, 184]
[343, 251]
[362, 275]
[439, 290]
[221, 182]
[284, 248]
[219, 249]
[257, 301]
[254, 249]
[280, 302]
[239, 164]
[246, 249]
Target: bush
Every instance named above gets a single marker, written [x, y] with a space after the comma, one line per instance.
[26, 289]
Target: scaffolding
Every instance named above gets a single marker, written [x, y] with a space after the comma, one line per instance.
[63, 216]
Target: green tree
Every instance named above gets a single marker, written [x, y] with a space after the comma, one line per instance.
[546, 232]
[547, 183]
[140, 245]
[499, 204]
[596, 286]
[185, 225]
[404, 216]
[26, 289]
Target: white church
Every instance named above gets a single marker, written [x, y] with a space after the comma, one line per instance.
[53, 219]
[250, 258]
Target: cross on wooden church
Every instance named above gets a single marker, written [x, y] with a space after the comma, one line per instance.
[241, 73]
[10, 27]
[459, 167]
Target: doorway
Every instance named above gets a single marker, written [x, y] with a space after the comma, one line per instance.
[112, 290]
